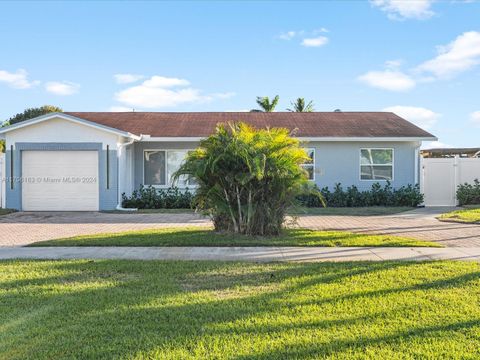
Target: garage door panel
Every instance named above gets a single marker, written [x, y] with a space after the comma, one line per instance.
[60, 181]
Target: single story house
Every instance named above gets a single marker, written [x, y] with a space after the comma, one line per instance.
[84, 161]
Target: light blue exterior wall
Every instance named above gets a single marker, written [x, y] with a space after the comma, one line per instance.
[335, 162]
[339, 162]
[107, 196]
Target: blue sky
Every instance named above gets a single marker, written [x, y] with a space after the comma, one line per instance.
[418, 58]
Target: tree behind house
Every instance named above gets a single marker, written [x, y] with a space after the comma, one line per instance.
[28, 114]
[299, 105]
[265, 104]
[31, 113]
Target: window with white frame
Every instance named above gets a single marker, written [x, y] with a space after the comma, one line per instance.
[160, 165]
[309, 166]
[376, 164]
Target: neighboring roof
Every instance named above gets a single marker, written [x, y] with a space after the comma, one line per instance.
[450, 152]
[306, 125]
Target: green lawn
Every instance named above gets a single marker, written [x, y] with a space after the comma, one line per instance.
[199, 236]
[205, 310]
[352, 211]
[465, 215]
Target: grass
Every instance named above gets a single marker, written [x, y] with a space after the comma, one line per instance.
[199, 236]
[470, 215]
[205, 310]
[6, 211]
[352, 211]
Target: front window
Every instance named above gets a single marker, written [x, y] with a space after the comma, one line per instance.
[309, 166]
[160, 165]
[376, 164]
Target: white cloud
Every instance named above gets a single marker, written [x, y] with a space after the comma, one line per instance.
[160, 91]
[460, 55]
[315, 42]
[393, 64]
[405, 9]
[389, 79]
[310, 38]
[435, 145]
[62, 87]
[165, 82]
[422, 117]
[17, 80]
[289, 35]
[127, 78]
[475, 118]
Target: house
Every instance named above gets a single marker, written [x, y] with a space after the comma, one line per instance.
[84, 161]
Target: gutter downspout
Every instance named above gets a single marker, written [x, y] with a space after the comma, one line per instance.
[120, 176]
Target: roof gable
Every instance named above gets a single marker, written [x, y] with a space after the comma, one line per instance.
[67, 117]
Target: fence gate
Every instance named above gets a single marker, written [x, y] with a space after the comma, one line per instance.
[440, 178]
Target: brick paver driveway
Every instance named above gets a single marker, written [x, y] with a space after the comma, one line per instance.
[23, 228]
[420, 223]
[26, 227]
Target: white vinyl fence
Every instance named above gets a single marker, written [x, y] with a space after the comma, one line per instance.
[441, 177]
[2, 184]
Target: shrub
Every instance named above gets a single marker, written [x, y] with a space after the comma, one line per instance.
[409, 195]
[469, 194]
[152, 198]
[247, 178]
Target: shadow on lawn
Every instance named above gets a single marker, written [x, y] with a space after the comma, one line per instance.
[142, 307]
[207, 237]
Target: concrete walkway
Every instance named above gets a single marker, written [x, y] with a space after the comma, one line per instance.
[421, 224]
[255, 254]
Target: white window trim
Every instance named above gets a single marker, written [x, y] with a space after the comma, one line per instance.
[376, 180]
[167, 185]
[312, 164]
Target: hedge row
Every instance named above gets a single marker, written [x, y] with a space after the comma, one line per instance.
[152, 198]
[469, 194]
[174, 198]
[409, 195]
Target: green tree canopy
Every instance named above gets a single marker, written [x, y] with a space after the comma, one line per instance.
[299, 105]
[265, 104]
[31, 113]
[27, 114]
[247, 178]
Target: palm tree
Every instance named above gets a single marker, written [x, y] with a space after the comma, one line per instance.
[265, 104]
[299, 106]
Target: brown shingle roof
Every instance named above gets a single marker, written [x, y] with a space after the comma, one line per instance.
[315, 124]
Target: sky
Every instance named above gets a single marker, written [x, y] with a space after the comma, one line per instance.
[419, 59]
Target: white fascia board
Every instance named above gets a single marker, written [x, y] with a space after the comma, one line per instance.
[146, 138]
[369, 139]
[74, 119]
